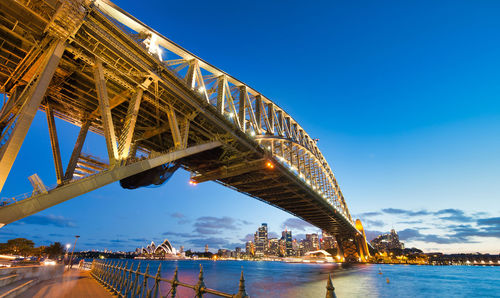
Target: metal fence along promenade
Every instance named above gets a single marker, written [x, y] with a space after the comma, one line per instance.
[124, 281]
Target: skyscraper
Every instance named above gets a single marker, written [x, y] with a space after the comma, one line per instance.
[287, 237]
[261, 240]
[327, 241]
[206, 248]
[313, 240]
[250, 248]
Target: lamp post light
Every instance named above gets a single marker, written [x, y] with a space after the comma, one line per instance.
[73, 251]
[66, 254]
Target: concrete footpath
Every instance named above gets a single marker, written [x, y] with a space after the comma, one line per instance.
[73, 283]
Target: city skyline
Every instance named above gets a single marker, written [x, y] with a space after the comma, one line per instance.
[412, 135]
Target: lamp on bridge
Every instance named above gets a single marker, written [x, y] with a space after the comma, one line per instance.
[269, 165]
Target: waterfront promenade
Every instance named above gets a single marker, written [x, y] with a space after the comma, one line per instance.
[73, 283]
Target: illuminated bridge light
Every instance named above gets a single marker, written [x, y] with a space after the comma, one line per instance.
[270, 165]
[230, 115]
[192, 182]
[201, 89]
[252, 133]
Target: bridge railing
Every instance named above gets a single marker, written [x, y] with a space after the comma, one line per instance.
[124, 281]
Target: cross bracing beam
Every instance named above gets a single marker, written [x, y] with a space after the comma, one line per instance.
[26, 207]
[77, 150]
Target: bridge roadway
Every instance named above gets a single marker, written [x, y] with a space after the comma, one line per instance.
[94, 65]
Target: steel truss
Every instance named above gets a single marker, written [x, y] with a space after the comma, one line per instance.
[107, 72]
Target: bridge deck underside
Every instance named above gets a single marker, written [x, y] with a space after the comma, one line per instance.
[72, 96]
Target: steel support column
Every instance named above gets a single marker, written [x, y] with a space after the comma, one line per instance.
[221, 95]
[32, 97]
[54, 142]
[107, 121]
[174, 127]
[340, 249]
[242, 107]
[129, 125]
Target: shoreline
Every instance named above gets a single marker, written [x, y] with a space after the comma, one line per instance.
[313, 262]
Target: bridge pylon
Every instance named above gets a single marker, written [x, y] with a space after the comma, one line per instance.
[353, 248]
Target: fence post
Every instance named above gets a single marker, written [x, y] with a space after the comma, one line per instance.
[144, 286]
[116, 275]
[241, 289]
[175, 282]
[111, 267]
[201, 284]
[135, 288]
[157, 282]
[126, 285]
[330, 290]
[119, 287]
[107, 273]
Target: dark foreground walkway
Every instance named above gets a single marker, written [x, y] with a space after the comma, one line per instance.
[73, 283]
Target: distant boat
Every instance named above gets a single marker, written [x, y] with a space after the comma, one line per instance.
[379, 271]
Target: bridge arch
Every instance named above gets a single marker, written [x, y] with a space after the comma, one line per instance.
[305, 163]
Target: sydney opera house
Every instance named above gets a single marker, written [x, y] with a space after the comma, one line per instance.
[163, 250]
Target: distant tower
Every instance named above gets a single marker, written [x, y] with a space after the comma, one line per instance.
[181, 250]
[261, 240]
[206, 248]
[287, 237]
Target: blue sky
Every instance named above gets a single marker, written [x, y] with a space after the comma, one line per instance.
[402, 95]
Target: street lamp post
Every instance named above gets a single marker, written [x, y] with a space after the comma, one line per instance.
[71, 258]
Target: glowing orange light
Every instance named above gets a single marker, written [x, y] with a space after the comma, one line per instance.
[270, 165]
[192, 182]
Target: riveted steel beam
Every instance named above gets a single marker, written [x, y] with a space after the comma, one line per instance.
[71, 190]
[54, 142]
[129, 125]
[32, 97]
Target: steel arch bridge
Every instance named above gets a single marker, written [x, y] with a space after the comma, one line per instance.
[94, 65]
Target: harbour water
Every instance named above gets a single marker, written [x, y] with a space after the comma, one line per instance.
[278, 279]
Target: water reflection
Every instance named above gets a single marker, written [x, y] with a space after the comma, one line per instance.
[277, 279]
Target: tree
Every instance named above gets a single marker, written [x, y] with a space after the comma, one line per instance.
[54, 250]
[20, 246]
